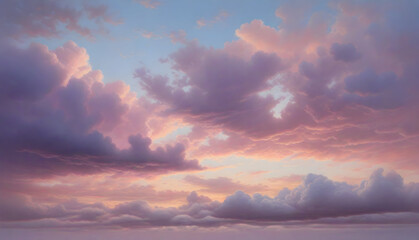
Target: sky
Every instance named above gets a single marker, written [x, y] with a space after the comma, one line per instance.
[158, 119]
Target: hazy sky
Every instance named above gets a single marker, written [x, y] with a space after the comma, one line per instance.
[158, 119]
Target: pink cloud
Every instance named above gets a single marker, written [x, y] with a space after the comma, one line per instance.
[150, 3]
[351, 81]
[381, 199]
[150, 35]
[221, 185]
[100, 13]
[211, 95]
[42, 19]
[108, 189]
[221, 16]
[58, 108]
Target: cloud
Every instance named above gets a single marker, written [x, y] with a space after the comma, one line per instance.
[381, 199]
[352, 87]
[149, 35]
[55, 110]
[149, 3]
[221, 185]
[344, 52]
[376, 91]
[100, 13]
[106, 188]
[320, 197]
[178, 37]
[290, 180]
[42, 18]
[221, 16]
[341, 88]
[223, 89]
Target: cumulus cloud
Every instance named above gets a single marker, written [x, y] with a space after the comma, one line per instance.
[53, 108]
[223, 89]
[319, 197]
[352, 87]
[305, 88]
[381, 199]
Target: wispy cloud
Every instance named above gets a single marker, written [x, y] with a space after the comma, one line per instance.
[149, 3]
[27, 19]
[221, 185]
[221, 16]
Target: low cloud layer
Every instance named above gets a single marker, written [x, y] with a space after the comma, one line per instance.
[381, 199]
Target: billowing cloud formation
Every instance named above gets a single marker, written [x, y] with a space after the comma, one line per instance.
[327, 88]
[43, 18]
[54, 112]
[341, 87]
[222, 88]
[320, 197]
[380, 199]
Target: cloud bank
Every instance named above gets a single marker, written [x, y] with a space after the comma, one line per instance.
[381, 199]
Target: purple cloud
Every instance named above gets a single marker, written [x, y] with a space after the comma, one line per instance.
[42, 18]
[50, 119]
[223, 90]
[221, 185]
[314, 87]
[319, 197]
[381, 199]
[149, 3]
[344, 52]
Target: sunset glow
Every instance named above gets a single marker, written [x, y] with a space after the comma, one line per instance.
[238, 119]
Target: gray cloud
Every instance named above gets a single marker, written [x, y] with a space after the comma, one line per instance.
[381, 199]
